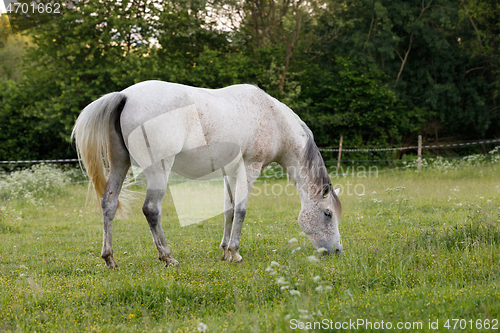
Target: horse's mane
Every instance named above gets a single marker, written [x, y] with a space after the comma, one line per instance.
[314, 162]
[315, 165]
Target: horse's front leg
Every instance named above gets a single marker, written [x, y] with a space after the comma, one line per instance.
[234, 243]
[157, 185]
[109, 204]
[229, 187]
[240, 208]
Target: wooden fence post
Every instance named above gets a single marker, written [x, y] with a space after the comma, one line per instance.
[419, 153]
[340, 153]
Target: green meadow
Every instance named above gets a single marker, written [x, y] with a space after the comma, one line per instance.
[421, 250]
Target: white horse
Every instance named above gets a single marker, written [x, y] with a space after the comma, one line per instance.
[237, 130]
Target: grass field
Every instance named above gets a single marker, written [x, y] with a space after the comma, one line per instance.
[419, 249]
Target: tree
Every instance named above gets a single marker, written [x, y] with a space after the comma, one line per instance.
[482, 43]
[96, 48]
[349, 99]
[419, 46]
[11, 51]
[378, 72]
[278, 24]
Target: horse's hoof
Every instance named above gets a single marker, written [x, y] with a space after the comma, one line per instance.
[235, 257]
[225, 257]
[172, 263]
[110, 263]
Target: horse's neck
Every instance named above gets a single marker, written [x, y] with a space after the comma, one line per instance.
[292, 157]
[299, 178]
[293, 161]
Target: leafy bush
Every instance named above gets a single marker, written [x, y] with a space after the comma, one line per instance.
[38, 181]
[443, 164]
[75, 173]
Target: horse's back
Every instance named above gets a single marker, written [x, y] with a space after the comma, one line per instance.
[150, 99]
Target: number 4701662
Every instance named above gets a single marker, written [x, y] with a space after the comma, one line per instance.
[478, 324]
[33, 8]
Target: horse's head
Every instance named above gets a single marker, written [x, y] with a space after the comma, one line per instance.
[320, 218]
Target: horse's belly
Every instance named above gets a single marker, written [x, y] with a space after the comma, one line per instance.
[208, 161]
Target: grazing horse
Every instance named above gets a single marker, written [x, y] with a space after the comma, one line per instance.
[237, 131]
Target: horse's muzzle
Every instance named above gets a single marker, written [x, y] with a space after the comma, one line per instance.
[333, 249]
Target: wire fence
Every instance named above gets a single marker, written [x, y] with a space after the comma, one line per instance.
[66, 160]
[341, 170]
[449, 145]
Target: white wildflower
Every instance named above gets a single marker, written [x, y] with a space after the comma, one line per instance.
[202, 327]
[281, 280]
[313, 259]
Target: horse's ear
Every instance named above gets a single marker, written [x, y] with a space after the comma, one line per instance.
[337, 191]
[326, 190]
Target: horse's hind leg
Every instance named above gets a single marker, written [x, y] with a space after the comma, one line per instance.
[157, 176]
[119, 165]
[229, 193]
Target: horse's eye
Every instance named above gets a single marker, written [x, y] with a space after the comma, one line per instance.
[328, 213]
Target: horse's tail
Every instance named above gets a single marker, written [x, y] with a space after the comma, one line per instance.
[92, 132]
